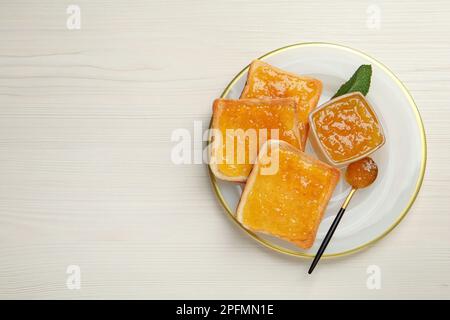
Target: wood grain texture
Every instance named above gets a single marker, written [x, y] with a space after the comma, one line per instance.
[85, 123]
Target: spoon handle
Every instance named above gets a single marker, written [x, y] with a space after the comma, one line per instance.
[326, 240]
[330, 232]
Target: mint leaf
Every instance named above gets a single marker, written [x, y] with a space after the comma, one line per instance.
[359, 81]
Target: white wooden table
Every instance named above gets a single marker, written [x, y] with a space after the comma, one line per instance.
[86, 118]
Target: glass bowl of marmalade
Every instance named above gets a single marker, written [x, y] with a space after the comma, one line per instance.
[345, 129]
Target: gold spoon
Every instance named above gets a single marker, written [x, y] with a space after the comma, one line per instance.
[360, 174]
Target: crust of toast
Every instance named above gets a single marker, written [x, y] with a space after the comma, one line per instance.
[304, 243]
[213, 151]
[258, 63]
[217, 110]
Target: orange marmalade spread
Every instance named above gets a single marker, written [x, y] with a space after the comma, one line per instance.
[347, 128]
[252, 116]
[289, 204]
[361, 173]
[266, 81]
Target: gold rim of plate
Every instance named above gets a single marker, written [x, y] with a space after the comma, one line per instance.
[413, 106]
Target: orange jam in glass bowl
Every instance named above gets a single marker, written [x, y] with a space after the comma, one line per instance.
[345, 129]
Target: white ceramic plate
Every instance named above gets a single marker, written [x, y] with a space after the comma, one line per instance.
[375, 211]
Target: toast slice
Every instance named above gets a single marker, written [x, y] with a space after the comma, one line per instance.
[267, 81]
[290, 202]
[240, 127]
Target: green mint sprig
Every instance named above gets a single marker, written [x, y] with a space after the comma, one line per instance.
[359, 81]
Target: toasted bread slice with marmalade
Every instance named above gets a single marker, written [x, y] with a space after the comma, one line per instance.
[267, 81]
[288, 203]
[240, 127]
